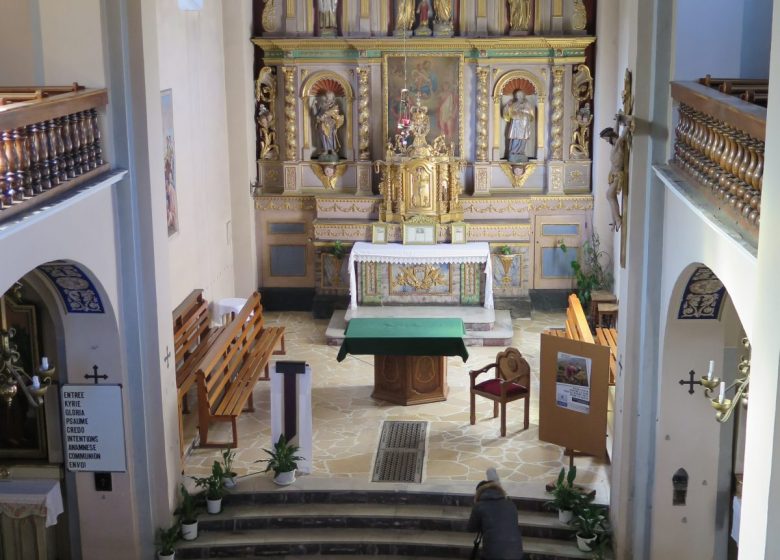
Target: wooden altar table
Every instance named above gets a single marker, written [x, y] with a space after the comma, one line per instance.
[410, 355]
[27, 507]
[442, 253]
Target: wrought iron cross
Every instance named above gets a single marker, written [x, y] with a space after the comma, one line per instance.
[94, 375]
[690, 383]
[167, 357]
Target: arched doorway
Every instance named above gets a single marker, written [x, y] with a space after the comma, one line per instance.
[697, 459]
[58, 311]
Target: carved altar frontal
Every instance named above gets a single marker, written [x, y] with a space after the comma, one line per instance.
[475, 121]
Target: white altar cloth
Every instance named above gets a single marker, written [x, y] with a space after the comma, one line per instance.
[396, 253]
[25, 497]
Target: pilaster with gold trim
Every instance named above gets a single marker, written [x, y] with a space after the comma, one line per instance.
[556, 124]
[556, 21]
[483, 76]
[290, 116]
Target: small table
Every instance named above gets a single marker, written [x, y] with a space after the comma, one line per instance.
[410, 355]
[24, 502]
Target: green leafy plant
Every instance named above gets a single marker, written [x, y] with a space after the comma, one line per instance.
[187, 511]
[338, 250]
[212, 484]
[591, 272]
[565, 496]
[228, 456]
[166, 539]
[589, 520]
[504, 250]
[283, 458]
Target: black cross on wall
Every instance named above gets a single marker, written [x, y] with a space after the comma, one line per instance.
[94, 375]
[690, 383]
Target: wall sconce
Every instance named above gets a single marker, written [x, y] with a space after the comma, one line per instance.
[725, 407]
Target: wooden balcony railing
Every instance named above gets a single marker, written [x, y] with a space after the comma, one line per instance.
[49, 143]
[719, 143]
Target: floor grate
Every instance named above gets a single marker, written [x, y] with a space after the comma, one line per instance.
[401, 452]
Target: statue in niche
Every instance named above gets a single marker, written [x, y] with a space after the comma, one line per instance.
[327, 17]
[519, 113]
[442, 21]
[422, 189]
[424, 14]
[404, 18]
[329, 120]
[519, 16]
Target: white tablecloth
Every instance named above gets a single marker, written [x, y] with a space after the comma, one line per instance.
[396, 253]
[25, 497]
[228, 306]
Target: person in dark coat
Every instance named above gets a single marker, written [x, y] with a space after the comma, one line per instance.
[495, 517]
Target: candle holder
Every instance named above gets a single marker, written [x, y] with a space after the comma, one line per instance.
[709, 385]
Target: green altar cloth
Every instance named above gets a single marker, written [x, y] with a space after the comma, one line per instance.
[405, 337]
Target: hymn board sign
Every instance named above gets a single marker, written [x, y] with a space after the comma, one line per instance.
[93, 426]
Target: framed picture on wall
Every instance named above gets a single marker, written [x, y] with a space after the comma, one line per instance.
[169, 155]
[458, 232]
[379, 233]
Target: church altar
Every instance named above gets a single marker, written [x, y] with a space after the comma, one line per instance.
[27, 508]
[422, 272]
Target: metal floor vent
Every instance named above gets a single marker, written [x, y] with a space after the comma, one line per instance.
[401, 452]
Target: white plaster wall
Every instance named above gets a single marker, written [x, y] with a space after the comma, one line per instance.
[190, 47]
[84, 229]
[20, 44]
[735, 42]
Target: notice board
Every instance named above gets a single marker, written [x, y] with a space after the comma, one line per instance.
[573, 390]
[93, 428]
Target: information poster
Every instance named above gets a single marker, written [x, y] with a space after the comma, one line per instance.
[572, 382]
[94, 433]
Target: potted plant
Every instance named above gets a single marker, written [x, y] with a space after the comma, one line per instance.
[506, 257]
[337, 250]
[565, 495]
[188, 515]
[213, 487]
[230, 476]
[590, 523]
[166, 542]
[592, 273]
[283, 461]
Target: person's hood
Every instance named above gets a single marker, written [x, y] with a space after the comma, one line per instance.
[490, 491]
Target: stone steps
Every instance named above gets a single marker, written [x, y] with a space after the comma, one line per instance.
[393, 542]
[381, 524]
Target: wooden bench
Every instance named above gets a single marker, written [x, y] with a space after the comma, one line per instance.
[577, 328]
[228, 371]
[192, 337]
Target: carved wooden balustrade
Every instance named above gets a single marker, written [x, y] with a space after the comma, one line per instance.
[720, 144]
[49, 143]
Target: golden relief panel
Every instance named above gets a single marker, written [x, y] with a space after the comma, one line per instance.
[284, 203]
[418, 279]
[347, 206]
[489, 232]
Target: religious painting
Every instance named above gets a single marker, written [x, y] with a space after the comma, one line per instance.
[22, 432]
[169, 159]
[572, 382]
[436, 80]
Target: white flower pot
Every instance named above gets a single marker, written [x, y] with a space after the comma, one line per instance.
[585, 544]
[285, 478]
[161, 556]
[229, 481]
[189, 531]
[213, 506]
[565, 516]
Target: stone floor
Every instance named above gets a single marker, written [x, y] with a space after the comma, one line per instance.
[347, 421]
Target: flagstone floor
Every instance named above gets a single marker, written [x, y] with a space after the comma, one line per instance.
[347, 421]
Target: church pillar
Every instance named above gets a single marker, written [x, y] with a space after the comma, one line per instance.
[758, 537]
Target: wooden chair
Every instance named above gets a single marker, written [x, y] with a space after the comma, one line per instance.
[512, 382]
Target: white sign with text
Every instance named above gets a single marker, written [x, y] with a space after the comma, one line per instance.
[93, 428]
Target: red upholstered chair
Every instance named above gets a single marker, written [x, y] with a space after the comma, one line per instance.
[512, 382]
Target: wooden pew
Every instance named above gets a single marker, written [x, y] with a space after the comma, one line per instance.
[577, 328]
[192, 337]
[228, 371]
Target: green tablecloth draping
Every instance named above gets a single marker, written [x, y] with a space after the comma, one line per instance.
[405, 337]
